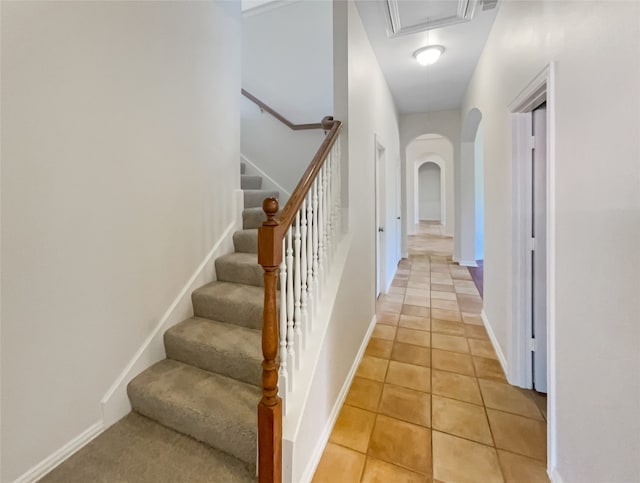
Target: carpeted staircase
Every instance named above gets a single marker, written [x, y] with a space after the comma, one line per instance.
[208, 387]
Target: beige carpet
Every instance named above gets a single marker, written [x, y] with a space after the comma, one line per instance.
[138, 450]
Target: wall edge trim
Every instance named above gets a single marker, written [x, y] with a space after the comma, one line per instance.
[244, 159]
[494, 342]
[54, 459]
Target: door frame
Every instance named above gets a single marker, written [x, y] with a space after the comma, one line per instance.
[380, 214]
[540, 89]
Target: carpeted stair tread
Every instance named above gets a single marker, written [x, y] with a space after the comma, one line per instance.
[254, 217]
[139, 450]
[229, 302]
[254, 198]
[249, 182]
[211, 408]
[226, 349]
[240, 268]
[246, 241]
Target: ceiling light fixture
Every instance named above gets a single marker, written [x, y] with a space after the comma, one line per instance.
[428, 55]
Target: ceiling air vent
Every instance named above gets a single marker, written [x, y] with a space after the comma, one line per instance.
[406, 17]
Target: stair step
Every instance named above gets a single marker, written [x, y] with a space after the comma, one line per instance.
[226, 349]
[248, 182]
[254, 198]
[240, 268]
[229, 302]
[246, 241]
[138, 449]
[243, 168]
[211, 408]
[254, 217]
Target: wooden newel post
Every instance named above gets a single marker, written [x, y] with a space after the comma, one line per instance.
[270, 406]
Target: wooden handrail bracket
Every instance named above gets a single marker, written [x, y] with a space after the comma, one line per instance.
[278, 116]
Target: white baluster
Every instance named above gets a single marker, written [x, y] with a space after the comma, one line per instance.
[336, 192]
[291, 350]
[309, 263]
[316, 244]
[325, 234]
[329, 197]
[321, 227]
[297, 289]
[339, 161]
[283, 373]
[303, 274]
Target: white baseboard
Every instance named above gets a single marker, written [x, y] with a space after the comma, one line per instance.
[554, 476]
[115, 403]
[467, 263]
[54, 459]
[494, 342]
[267, 178]
[314, 460]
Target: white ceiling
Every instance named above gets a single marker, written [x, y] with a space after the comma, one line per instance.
[436, 87]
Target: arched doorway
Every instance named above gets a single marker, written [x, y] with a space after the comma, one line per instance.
[436, 150]
[430, 190]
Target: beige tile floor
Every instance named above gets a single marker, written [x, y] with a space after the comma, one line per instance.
[429, 401]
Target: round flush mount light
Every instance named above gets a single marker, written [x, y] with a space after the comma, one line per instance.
[428, 55]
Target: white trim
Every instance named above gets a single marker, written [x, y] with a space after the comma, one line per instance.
[554, 476]
[267, 7]
[266, 177]
[115, 403]
[494, 342]
[54, 459]
[520, 361]
[542, 87]
[314, 460]
[466, 263]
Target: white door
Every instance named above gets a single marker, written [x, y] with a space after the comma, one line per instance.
[539, 252]
[380, 217]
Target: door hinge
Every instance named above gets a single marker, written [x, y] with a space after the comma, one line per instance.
[532, 244]
[532, 142]
[532, 344]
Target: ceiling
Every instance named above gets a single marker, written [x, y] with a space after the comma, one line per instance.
[396, 36]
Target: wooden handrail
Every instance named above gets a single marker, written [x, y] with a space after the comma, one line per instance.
[277, 115]
[270, 237]
[295, 200]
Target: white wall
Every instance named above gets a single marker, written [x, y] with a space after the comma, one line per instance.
[287, 62]
[596, 398]
[429, 192]
[354, 307]
[444, 123]
[438, 150]
[120, 147]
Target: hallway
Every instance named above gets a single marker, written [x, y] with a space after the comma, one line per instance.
[430, 401]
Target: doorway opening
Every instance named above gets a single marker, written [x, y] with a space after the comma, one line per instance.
[426, 154]
[532, 354]
[429, 192]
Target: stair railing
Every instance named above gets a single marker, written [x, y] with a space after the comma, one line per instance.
[295, 249]
[265, 107]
